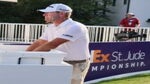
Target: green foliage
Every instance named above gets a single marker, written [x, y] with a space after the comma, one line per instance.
[89, 12]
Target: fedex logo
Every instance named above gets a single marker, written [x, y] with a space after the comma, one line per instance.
[99, 57]
[117, 56]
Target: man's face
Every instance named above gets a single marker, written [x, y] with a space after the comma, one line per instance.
[50, 17]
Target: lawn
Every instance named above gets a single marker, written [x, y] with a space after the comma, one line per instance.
[138, 79]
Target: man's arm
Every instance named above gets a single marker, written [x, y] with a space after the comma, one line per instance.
[138, 24]
[51, 44]
[36, 44]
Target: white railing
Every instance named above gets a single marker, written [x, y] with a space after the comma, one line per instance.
[18, 32]
[12, 32]
[106, 33]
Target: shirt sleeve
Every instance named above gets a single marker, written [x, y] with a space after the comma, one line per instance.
[138, 21]
[122, 22]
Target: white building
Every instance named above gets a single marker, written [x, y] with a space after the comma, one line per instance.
[138, 7]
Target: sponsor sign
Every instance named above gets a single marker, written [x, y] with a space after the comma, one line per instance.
[110, 59]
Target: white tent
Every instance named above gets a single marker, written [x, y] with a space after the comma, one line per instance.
[9, 0]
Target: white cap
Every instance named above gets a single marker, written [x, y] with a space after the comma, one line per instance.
[56, 7]
[131, 14]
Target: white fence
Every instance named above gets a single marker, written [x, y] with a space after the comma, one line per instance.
[12, 32]
[18, 32]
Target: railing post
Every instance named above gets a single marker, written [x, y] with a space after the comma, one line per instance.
[27, 33]
[11, 32]
[148, 34]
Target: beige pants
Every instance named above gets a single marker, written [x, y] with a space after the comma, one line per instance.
[79, 72]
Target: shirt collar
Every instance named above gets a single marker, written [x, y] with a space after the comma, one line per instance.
[65, 23]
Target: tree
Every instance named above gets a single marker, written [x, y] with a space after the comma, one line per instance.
[89, 12]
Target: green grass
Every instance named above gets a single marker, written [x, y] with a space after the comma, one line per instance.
[138, 79]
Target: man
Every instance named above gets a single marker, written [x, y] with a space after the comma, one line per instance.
[130, 21]
[66, 35]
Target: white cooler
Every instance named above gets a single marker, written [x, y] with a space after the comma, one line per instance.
[21, 67]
